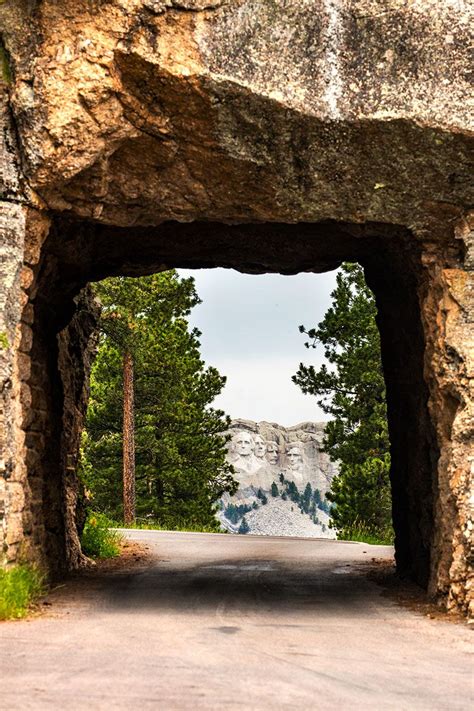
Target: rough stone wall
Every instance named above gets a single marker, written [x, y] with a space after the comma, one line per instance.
[348, 117]
[77, 344]
[447, 302]
[23, 230]
[11, 259]
[134, 112]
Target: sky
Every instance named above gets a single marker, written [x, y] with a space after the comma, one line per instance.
[249, 326]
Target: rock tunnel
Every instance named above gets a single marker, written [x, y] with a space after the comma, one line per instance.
[260, 135]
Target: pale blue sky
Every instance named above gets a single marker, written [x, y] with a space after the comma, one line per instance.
[250, 334]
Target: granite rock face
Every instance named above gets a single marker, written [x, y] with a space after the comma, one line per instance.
[261, 454]
[261, 451]
[262, 135]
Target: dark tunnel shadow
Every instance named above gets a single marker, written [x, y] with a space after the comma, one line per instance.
[244, 585]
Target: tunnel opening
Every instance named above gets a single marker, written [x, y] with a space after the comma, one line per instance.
[58, 340]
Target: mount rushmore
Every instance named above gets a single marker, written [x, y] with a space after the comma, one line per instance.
[269, 462]
[261, 451]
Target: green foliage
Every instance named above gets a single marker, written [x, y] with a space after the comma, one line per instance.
[4, 344]
[244, 527]
[180, 448]
[306, 498]
[97, 540]
[19, 588]
[234, 512]
[350, 387]
[360, 531]
[5, 70]
[361, 496]
[178, 525]
[308, 502]
[292, 491]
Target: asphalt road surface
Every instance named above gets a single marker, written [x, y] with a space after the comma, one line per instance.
[235, 622]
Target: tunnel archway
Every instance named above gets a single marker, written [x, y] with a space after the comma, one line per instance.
[59, 322]
[264, 136]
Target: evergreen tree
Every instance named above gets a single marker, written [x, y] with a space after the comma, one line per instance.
[292, 491]
[324, 506]
[244, 527]
[306, 498]
[262, 496]
[274, 489]
[351, 389]
[361, 495]
[180, 454]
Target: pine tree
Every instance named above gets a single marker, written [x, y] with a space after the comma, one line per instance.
[244, 527]
[180, 446]
[306, 498]
[292, 491]
[274, 489]
[352, 390]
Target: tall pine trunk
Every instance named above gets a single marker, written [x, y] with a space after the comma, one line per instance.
[128, 441]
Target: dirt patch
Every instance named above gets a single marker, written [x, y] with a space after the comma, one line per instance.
[407, 594]
[132, 554]
[82, 588]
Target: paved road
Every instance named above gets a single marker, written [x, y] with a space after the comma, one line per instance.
[235, 622]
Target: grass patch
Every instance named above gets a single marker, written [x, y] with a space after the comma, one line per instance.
[366, 534]
[5, 71]
[97, 540]
[4, 344]
[19, 588]
[184, 526]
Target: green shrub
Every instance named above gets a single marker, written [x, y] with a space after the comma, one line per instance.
[19, 588]
[363, 533]
[97, 539]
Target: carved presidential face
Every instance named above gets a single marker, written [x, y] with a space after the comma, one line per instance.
[243, 444]
[272, 452]
[295, 458]
[259, 450]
